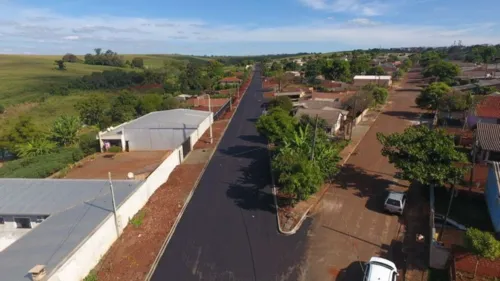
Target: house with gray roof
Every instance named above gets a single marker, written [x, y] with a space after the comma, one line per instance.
[44, 221]
[334, 117]
[159, 130]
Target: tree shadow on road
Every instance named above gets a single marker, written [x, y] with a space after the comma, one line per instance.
[254, 139]
[403, 115]
[371, 186]
[252, 190]
[354, 271]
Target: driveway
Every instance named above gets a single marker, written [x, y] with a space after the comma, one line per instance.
[229, 230]
[349, 226]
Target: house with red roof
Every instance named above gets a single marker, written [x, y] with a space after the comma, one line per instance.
[230, 81]
[487, 111]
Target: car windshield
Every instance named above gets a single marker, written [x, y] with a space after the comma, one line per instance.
[393, 202]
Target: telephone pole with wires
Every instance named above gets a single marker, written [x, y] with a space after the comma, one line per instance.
[114, 204]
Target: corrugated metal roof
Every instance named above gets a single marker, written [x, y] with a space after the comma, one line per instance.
[322, 104]
[330, 116]
[69, 223]
[159, 130]
[488, 136]
[372, 77]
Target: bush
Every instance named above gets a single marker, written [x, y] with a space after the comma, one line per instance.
[283, 102]
[88, 143]
[2, 109]
[482, 243]
[59, 91]
[380, 95]
[115, 149]
[41, 166]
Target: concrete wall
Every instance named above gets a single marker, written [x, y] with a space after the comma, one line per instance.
[86, 257]
[204, 126]
[492, 199]
[360, 117]
[378, 82]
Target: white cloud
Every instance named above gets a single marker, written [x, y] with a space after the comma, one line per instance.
[361, 7]
[71, 37]
[145, 35]
[362, 21]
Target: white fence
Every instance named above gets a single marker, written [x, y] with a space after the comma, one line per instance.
[90, 251]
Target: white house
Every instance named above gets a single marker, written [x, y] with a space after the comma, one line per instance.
[380, 80]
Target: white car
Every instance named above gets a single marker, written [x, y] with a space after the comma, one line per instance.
[379, 269]
[395, 202]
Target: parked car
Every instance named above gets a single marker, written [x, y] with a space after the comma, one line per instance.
[395, 202]
[378, 269]
[439, 219]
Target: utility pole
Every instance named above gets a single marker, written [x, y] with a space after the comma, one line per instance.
[211, 121]
[353, 116]
[114, 205]
[314, 138]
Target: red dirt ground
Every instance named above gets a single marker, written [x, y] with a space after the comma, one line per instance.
[119, 164]
[132, 255]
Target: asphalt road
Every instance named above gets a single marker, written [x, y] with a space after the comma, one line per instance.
[229, 230]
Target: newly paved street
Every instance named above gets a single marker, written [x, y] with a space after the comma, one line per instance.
[350, 226]
[229, 230]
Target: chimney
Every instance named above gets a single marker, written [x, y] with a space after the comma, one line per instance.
[37, 272]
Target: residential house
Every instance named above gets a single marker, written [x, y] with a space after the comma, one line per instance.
[321, 104]
[47, 221]
[334, 117]
[334, 86]
[294, 96]
[487, 111]
[380, 80]
[492, 194]
[230, 81]
[482, 83]
[294, 73]
[335, 96]
[487, 142]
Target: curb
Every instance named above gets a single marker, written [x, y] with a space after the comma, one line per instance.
[190, 195]
[304, 216]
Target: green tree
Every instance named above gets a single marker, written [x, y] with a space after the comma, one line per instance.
[415, 58]
[23, 131]
[64, 130]
[277, 125]
[482, 244]
[282, 102]
[430, 97]
[442, 71]
[340, 70]
[359, 65]
[149, 103]
[137, 62]
[424, 155]
[88, 143]
[92, 109]
[428, 58]
[392, 58]
[60, 64]
[457, 101]
[215, 70]
[123, 107]
[376, 70]
[398, 74]
[35, 147]
[406, 64]
[380, 95]
[485, 54]
[170, 102]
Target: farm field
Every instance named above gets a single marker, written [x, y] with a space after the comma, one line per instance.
[26, 79]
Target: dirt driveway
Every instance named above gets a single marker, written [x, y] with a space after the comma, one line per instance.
[349, 226]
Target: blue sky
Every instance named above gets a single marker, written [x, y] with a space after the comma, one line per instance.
[223, 27]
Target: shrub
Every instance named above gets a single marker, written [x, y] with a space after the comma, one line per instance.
[59, 91]
[91, 277]
[88, 143]
[2, 109]
[41, 166]
[283, 102]
[115, 149]
[136, 221]
[380, 95]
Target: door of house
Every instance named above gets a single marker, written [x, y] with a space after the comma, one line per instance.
[186, 147]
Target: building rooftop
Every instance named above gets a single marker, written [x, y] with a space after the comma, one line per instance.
[330, 116]
[75, 209]
[488, 136]
[489, 107]
[372, 77]
[322, 104]
[481, 83]
[168, 127]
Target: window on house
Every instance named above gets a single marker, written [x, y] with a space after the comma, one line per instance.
[23, 222]
[2, 221]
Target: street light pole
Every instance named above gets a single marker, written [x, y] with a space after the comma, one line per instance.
[211, 121]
